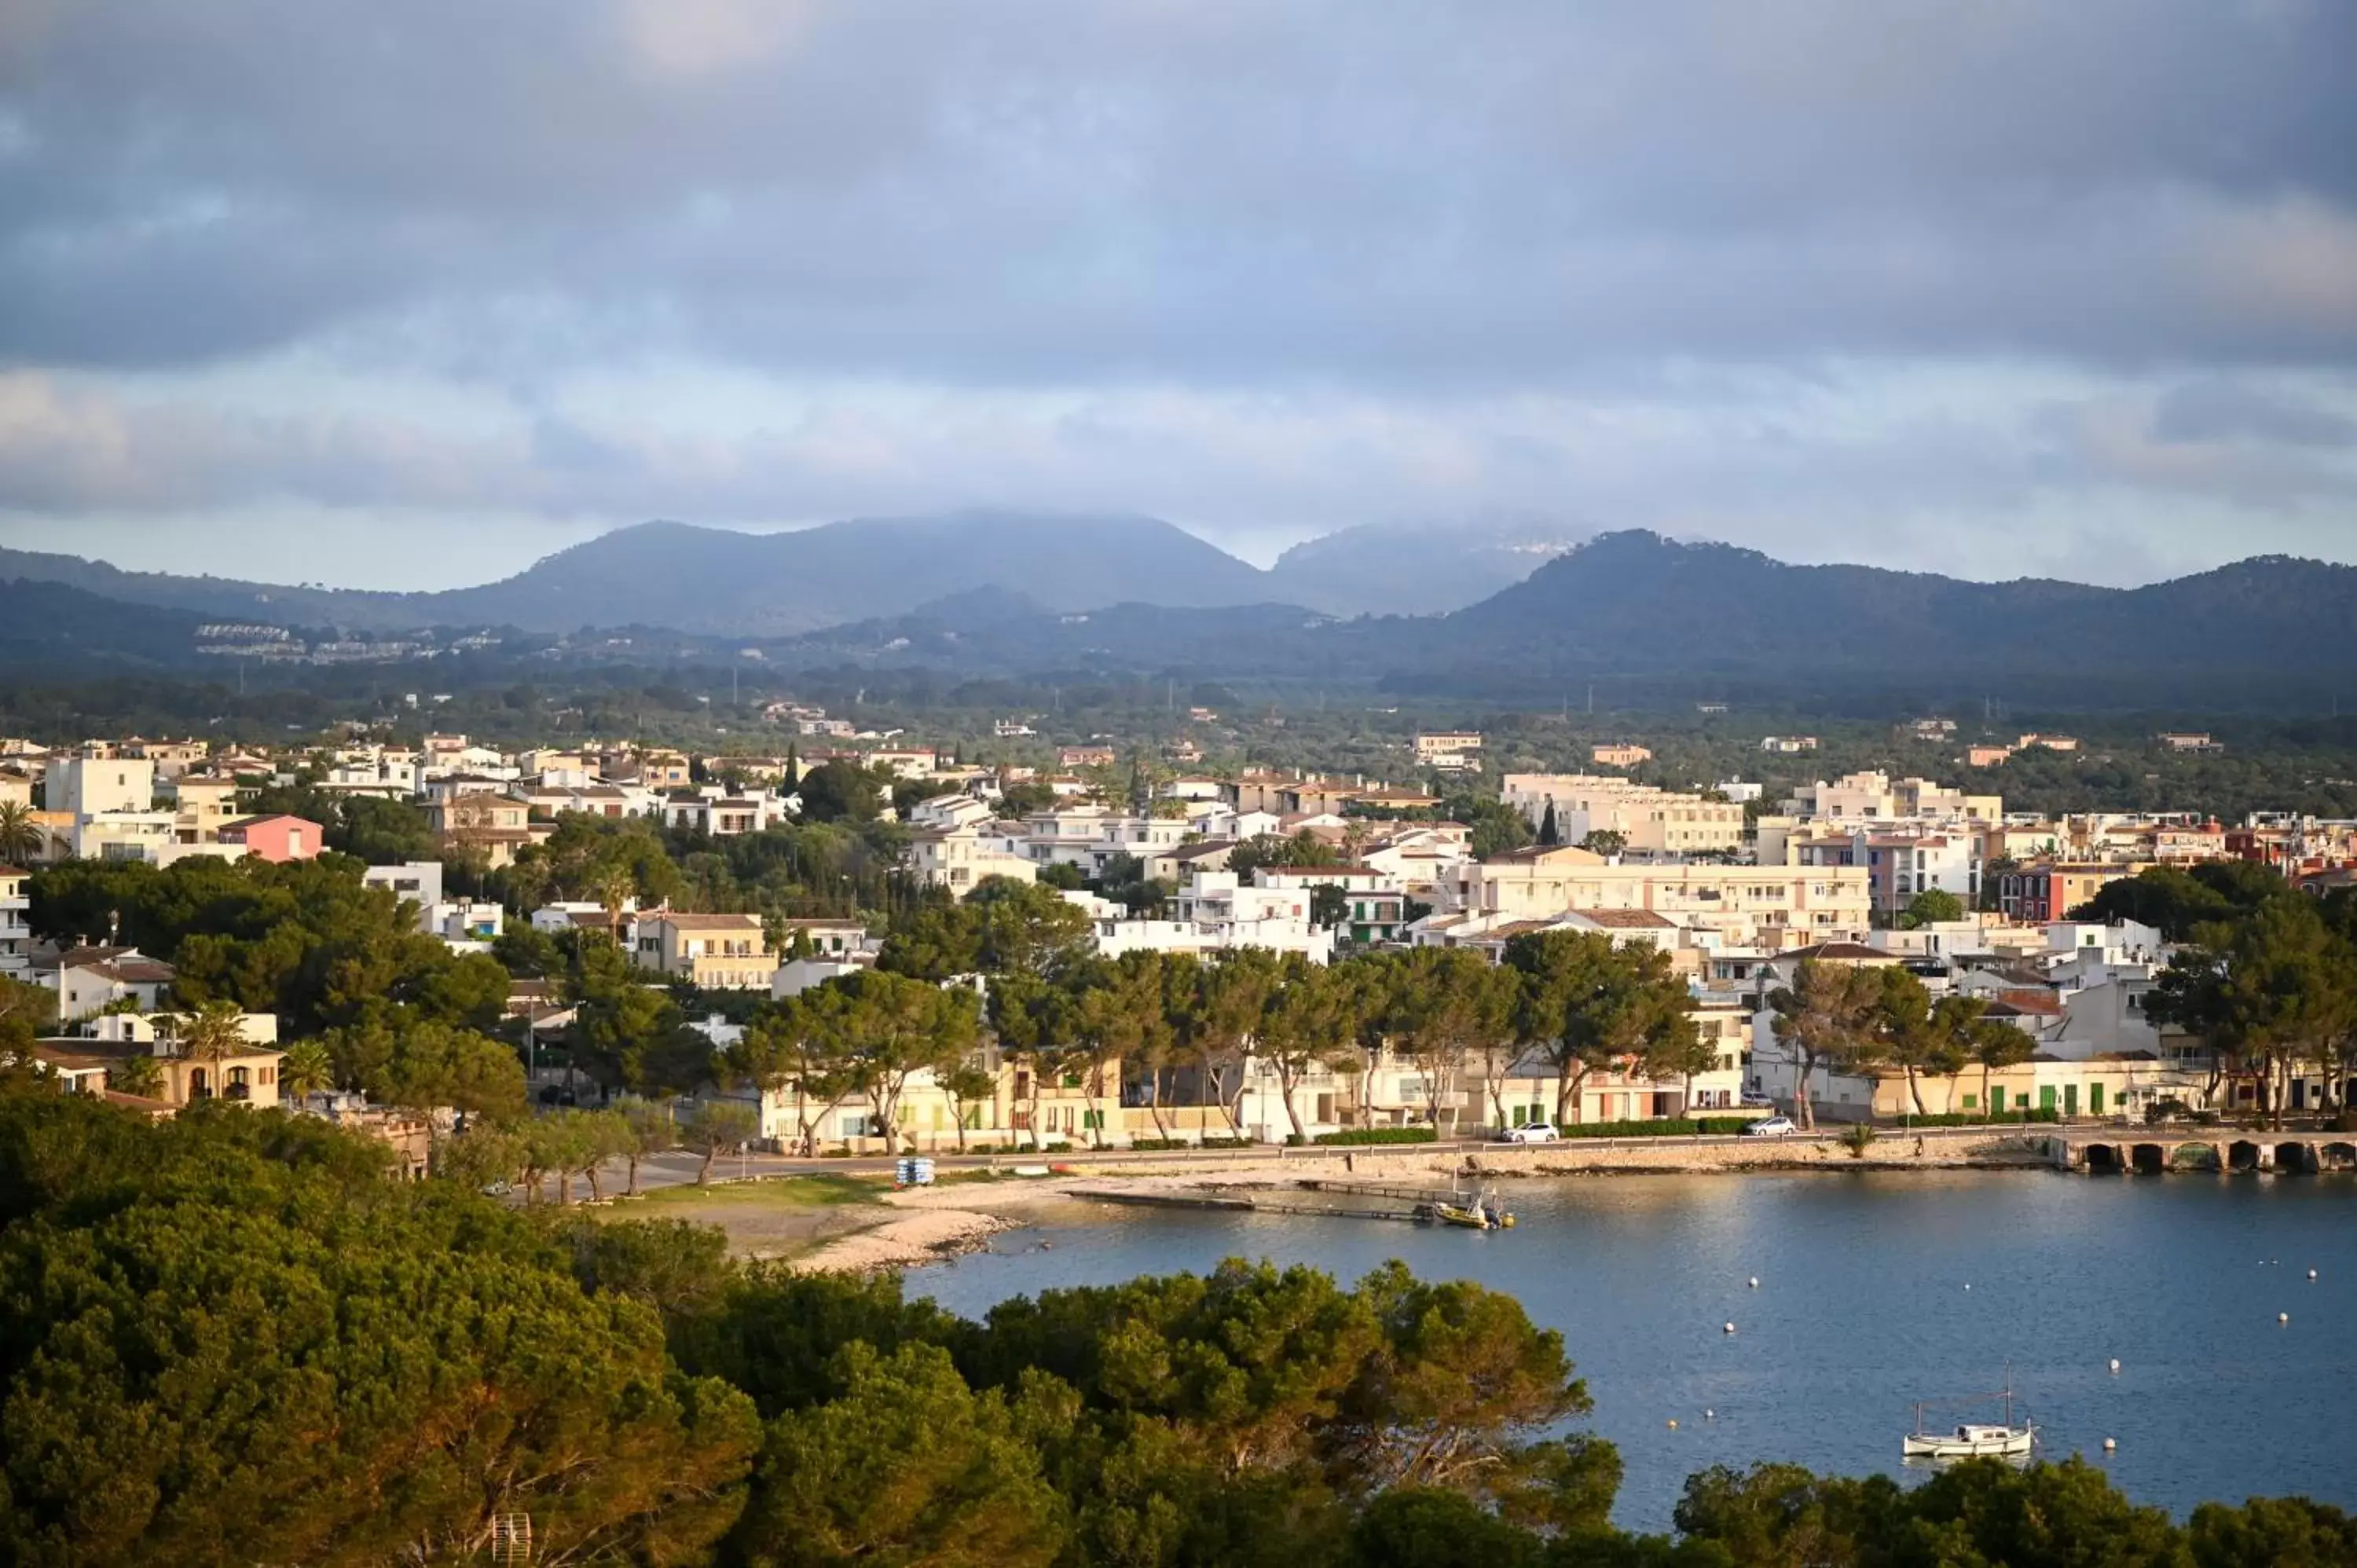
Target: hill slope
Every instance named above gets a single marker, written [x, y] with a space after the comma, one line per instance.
[723, 583]
[1413, 568]
[1634, 601]
[50, 628]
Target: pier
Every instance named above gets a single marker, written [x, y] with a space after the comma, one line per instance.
[1253, 1203]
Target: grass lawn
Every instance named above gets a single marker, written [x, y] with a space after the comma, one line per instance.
[827, 1191]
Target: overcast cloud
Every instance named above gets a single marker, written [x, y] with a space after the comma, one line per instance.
[408, 296]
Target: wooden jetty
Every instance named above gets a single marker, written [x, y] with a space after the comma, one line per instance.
[1250, 1203]
[1383, 1190]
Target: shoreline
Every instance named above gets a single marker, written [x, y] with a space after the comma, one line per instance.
[934, 1224]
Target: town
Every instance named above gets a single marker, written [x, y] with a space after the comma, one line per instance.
[590, 952]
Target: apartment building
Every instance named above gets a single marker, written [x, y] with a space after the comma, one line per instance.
[170, 758]
[16, 928]
[2049, 890]
[481, 823]
[1875, 797]
[718, 953]
[1373, 903]
[1768, 907]
[1898, 865]
[960, 858]
[86, 786]
[203, 803]
[1448, 750]
[1650, 820]
[1216, 911]
[1619, 753]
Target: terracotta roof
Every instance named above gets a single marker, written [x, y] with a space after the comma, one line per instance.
[707, 922]
[1627, 919]
[1841, 952]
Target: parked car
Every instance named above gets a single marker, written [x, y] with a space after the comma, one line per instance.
[1533, 1133]
[1771, 1127]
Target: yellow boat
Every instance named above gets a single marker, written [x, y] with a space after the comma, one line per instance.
[1457, 1214]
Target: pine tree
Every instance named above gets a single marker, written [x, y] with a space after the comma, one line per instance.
[1548, 833]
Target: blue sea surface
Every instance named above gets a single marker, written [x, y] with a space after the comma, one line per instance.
[1875, 1290]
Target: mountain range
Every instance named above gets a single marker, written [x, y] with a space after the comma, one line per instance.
[718, 582]
[2268, 631]
[1634, 604]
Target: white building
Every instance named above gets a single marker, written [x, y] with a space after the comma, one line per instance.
[16, 928]
[85, 786]
[961, 858]
[1215, 913]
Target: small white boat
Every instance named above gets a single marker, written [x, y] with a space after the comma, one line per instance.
[1974, 1440]
[1969, 1442]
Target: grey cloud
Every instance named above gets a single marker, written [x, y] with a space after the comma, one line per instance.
[2225, 411]
[1039, 194]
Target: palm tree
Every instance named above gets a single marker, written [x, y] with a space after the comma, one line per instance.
[139, 1074]
[613, 886]
[212, 1036]
[21, 838]
[305, 1069]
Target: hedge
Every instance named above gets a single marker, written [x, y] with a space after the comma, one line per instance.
[1660, 1127]
[1158, 1143]
[1984, 1118]
[1362, 1135]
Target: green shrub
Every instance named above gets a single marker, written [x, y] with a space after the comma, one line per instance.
[1983, 1119]
[1364, 1135]
[1229, 1143]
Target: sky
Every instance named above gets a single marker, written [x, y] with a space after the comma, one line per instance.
[411, 295]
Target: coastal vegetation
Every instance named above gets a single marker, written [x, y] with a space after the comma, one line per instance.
[231, 1340]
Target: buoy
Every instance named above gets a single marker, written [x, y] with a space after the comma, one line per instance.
[2110, 1443]
[1673, 1425]
[1755, 1279]
[1710, 1416]
[2116, 1363]
[1968, 1287]
[2283, 1317]
[1728, 1330]
[2311, 1273]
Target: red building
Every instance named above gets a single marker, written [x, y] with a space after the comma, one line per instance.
[275, 838]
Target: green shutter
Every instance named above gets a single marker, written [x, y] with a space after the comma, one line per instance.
[2095, 1099]
[1996, 1098]
[2046, 1097]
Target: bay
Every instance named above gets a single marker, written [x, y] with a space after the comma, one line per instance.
[1863, 1308]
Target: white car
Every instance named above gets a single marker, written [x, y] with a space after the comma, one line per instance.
[1533, 1133]
[1771, 1127]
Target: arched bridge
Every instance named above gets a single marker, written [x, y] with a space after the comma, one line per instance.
[2154, 1151]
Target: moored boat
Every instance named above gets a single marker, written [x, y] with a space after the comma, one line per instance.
[1969, 1442]
[1974, 1440]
